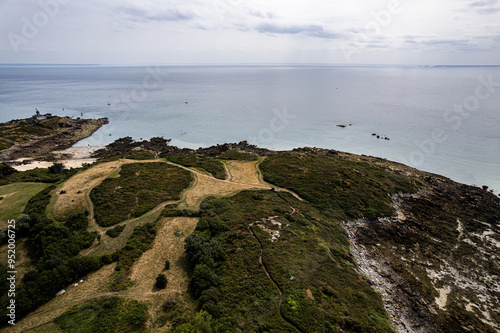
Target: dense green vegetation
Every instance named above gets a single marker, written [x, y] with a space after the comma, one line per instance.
[310, 264]
[53, 249]
[131, 155]
[343, 189]
[139, 188]
[210, 165]
[238, 155]
[110, 315]
[9, 175]
[173, 211]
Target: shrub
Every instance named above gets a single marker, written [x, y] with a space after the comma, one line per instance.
[6, 170]
[161, 281]
[116, 231]
[238, 155]
[167, 264]
[56, 168]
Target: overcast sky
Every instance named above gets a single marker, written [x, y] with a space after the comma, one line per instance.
[423, 32]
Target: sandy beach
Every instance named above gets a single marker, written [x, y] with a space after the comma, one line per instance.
[79, 157]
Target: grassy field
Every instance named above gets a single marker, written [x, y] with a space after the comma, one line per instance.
[207, 164]
[15, 196]
[139, 188]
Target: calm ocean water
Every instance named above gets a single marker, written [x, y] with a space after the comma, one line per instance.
[440, 119]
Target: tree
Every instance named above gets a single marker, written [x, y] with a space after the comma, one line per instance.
[56, 168]
[6, 170]
[161, 281]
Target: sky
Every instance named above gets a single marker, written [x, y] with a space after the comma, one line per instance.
[169, 32]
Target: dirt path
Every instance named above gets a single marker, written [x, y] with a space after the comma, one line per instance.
[242, 176]
[77, 188]
[271, 278]
[167, 244]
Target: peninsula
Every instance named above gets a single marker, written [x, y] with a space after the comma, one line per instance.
[237, 238]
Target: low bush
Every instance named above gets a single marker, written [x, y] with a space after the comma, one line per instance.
[212, 166]
[238, 155]
[116, 231]
[161, 281]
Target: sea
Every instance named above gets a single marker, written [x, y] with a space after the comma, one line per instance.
[441, 119]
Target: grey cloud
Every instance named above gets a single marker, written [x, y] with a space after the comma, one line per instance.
[258, 13]
[314, 30]
[485, 7]
[468, 43]
[169, 14]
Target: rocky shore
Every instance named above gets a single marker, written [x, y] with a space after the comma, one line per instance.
[69, 132]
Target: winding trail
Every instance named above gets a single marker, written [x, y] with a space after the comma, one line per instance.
[240, 176]
[264, 267]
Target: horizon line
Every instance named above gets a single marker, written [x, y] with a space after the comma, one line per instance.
[233, 65]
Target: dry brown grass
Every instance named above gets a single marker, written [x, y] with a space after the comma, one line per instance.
[243, 172]
[244, 175]
[167, 245]
[73, 201]
[109, 245]
[206, 186]
[92, 287]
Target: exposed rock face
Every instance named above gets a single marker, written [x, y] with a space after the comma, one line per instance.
[437, 262]
[70, 132]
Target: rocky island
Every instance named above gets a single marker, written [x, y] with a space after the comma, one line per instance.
[236, 238]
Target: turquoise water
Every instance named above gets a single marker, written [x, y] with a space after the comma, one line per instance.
[283, 107]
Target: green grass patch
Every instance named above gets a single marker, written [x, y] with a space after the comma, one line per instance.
[16, 196]
[210, 165]
[111, 314]
[238, 155]
[140, 187]
[343, 189]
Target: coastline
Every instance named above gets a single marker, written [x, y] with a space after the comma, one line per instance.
[66, 133]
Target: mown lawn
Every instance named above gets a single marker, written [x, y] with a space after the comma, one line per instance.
[15, 197]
